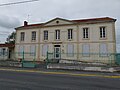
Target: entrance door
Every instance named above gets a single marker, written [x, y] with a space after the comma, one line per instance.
[9, 55]
[57, 51]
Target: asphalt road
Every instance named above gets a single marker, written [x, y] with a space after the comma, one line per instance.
[11, 80]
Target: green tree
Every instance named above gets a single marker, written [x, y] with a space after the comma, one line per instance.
[11, 38]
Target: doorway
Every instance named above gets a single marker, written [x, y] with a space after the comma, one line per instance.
[57, 51]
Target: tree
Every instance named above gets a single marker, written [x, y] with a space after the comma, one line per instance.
[11, 38]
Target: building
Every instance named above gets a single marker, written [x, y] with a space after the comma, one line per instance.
[7, 51]
[68, 39]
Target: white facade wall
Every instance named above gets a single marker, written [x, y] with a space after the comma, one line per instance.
[78, 41]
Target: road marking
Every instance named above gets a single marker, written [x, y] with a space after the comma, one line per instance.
[62, 73]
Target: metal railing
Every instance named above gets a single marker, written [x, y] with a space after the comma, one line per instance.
[111, 59]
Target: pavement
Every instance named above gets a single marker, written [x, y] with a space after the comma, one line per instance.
[63, 72]
[36, 79]
[84, 67]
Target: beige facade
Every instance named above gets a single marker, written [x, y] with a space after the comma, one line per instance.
[7, 52]
[74, 39]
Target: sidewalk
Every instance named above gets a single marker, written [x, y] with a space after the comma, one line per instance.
[82, 67]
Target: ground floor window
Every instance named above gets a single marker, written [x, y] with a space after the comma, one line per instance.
[44, 50]
[70, 50]
[32, 50]
[103, 49]
[86, 50]
[21, 49]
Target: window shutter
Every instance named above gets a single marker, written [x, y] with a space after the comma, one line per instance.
[86, 50]
[70, 50]
[103, 50]
[32, 50]
[44, 50]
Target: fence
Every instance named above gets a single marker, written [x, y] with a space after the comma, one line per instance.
[27, 59]
[86, 58]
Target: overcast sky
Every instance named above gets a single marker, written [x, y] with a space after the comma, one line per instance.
[43, 10]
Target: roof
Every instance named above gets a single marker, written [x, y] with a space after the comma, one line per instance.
[91, 20]
[95, 19]
[7, 45]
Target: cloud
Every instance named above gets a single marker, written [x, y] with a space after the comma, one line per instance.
[9, 21]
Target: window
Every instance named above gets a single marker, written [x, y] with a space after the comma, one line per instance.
[22, 36]
[70, 50]
[44, 50]
[45, 35]
[21, 49]
[3, 52]
[32, 50]
[85, 32]
[102, 32]
[70, 33]
[33, 35]
[57, 34]
[103, 50]
[86, 49]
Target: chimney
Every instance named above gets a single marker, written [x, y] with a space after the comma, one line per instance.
[25, 23]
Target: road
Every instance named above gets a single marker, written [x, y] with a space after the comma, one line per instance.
[13, 80]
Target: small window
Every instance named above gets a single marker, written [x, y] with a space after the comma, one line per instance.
[22, 36]
[33, 35]
[45, 35]
[85, 33]
[70, 33]
[102, 32]
[57, 34]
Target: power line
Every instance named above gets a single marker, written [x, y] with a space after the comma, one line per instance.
[6, 4]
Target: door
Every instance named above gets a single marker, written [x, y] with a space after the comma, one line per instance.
[57, 51]
[9, 55]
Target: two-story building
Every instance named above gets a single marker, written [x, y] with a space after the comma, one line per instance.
[68, 39]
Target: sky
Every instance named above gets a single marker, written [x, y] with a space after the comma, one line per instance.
[12, 16]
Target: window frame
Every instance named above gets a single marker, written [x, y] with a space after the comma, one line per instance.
[33, 35]
[85, 33]
[45, 37]
[57, 34]
[70, 34]
[102, 32]
[22, 36]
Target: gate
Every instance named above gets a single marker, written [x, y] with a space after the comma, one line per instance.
[117, 58]
[27, 59]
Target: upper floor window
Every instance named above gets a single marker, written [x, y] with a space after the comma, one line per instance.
[45, 35]
[33, 35]
[102, 32]
[70, 33]
[57, 34]
[22, 36]
[85, 33]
